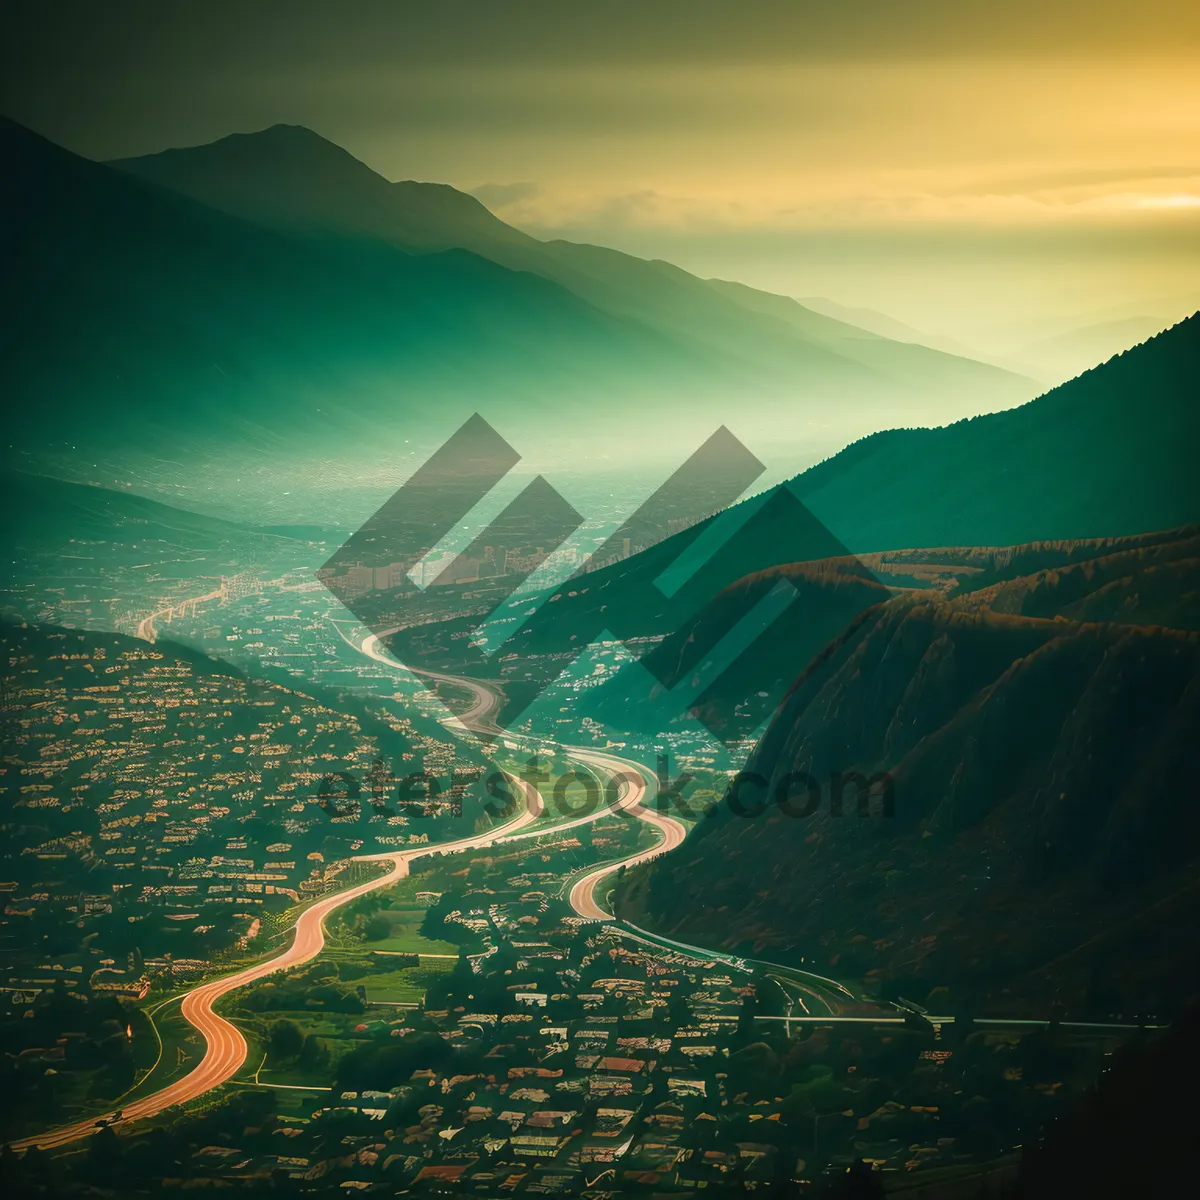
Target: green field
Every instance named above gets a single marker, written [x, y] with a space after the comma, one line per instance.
[176, 1049]
[406, 934]
[404, 986]
[338, 1033]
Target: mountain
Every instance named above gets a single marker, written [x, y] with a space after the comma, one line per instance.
[1064, 355]
[1059, 346]
[1108, 453]
[883, 325]
[44, 513]
[1033, 735]
[289, 178]
[139, 320]
[936, 366]
[774, 642]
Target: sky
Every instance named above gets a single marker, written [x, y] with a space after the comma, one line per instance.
[987, 171]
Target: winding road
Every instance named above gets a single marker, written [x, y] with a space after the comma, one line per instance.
[583, 895]
[631, 791]
[226, 1047]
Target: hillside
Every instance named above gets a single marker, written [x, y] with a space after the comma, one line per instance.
[287, 177]
[103, 784]
[138, 319]
[772, 643]
[1042, 472]
[95, 556]
[1038, 768]
[1108, 453]
[46, 514]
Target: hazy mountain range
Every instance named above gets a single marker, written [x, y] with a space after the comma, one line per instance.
[139, 320]
[269, 293]
[288, 177]
[1050, 351]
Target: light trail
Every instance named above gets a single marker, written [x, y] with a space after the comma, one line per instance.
[225, 1045]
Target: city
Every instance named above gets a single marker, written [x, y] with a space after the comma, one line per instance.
[599, 600]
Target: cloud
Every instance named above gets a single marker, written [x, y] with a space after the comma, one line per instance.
[1179, 200]
[921, 200]
[501, 195]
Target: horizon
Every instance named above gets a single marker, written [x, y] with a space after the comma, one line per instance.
[656, 659]
[334, 485]
[928, 164]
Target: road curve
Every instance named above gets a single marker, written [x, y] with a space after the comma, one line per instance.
[633, 777]
[632, 787]
[486, 700]
[582, 896]
[226, 1047]
[478, 718]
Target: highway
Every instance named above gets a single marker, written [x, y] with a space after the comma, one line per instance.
[630, 793]
[586, 897]
[583, 895]
[147, 630]
[226, 1047]
[1015, 1022]
[486, 699]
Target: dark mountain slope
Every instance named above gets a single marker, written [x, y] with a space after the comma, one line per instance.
[1141, 581]
[1039, 769]
[778, 643]
[1107, 454]
[135, 317]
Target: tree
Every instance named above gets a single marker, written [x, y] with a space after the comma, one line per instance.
[285, 1040]
[312, 1054]
[859, 1182]
[104, 1151]
[749, 1011]
[462, 980]
[679, 1012]
[376, 928]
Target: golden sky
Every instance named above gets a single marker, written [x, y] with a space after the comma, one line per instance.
[958, 163]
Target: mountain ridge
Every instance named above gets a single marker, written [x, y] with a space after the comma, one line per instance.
[1036, 764]
[138, 316]
[293, 178]
[1046, 469]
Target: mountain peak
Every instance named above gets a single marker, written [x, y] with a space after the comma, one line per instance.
[290, 177]
[241, 151]
[297, 137]
[282, 129]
